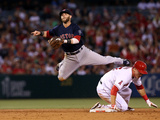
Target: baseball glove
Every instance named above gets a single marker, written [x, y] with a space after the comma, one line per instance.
[56, 42]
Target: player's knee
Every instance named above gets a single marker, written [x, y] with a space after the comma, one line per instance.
[61, 79]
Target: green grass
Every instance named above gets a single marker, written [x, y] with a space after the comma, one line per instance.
[65, 103]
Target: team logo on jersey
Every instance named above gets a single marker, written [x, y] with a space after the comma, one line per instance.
[120, 82]
[80, 32]
[67, 36]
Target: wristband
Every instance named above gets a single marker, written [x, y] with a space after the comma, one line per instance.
[112, 106]
[41, 33]
[145, 97]
[67, 41]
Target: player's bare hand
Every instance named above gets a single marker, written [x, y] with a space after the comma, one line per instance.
[151, 104]
[114, 107]
[35, 33]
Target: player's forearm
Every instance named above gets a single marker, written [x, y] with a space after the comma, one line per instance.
[74, 41]
[114, 91]
[43, 33]
[71, 41]
[113, 99]
[142, 92]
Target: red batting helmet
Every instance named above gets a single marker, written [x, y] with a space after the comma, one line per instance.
[140, 66]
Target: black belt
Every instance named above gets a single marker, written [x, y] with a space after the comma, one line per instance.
[75, 52]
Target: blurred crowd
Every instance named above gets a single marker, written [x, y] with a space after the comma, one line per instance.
[128, 32]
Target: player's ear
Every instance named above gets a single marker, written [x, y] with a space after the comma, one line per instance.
[70, 16]
[134, 69]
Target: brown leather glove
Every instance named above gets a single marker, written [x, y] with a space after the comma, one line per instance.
[56, 42]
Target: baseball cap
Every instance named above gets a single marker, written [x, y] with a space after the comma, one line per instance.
[65, 11]
[140, 66]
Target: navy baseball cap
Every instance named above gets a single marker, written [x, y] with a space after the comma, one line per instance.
[65, 11]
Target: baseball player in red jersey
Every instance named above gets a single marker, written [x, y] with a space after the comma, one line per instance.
[113, 87]
[76, 54]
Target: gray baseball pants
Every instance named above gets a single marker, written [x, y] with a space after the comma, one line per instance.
[85, 57]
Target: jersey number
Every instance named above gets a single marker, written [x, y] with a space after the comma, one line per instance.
[119, 68]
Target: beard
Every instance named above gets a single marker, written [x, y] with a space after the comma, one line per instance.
[66, 20]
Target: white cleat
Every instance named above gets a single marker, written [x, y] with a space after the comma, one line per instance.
[97, 105]
[131, 109]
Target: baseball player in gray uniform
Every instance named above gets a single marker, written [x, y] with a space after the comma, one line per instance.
[76, 54]
[113, 87]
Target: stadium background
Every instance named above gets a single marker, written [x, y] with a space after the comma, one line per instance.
[112, 27]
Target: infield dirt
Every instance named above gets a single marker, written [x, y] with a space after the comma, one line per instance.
[77, 114]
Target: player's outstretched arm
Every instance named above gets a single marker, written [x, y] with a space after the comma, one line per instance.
[142, 92]
[39, 33]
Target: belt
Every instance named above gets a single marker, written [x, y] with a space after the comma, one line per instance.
[75, 52]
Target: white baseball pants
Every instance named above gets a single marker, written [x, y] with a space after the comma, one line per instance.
[122, 98]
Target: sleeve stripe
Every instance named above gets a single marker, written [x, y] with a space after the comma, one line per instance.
[114, 90]
[48, 35]
[139, 87]
[78, 37]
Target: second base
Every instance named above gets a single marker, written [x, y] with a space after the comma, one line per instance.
[102, 110]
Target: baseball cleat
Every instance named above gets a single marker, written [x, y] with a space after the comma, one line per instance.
[126, 62]
[131, 109]
[97, 105]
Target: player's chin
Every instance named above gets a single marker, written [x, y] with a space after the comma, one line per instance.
[63, 20]
[137, 76]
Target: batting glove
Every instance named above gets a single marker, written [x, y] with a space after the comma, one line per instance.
[126, 62]
[151, 104]
[115, 107]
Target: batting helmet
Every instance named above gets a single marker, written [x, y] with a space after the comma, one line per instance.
[140, 66]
